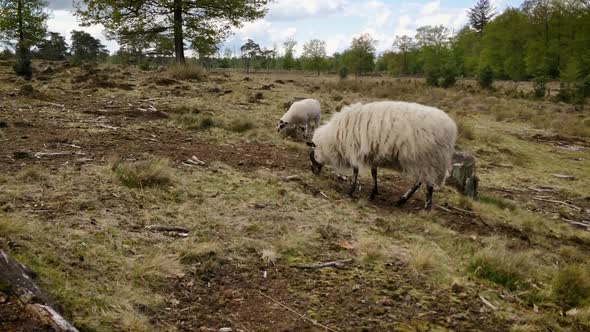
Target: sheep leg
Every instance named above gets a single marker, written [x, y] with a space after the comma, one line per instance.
[355, 175]
[429, 190]
[409, 194]
[375, 190]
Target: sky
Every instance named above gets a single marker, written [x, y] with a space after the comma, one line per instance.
[335, 21]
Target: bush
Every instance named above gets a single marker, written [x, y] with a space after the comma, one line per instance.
[448, 77]
[432, 78]
[145, 173]
[22, 67]
[343, 72]
[539, 86]
[571, 286]
[187, 71]
[486, 77]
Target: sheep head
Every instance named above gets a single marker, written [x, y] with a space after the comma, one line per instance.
[316, 167]
[281, 125]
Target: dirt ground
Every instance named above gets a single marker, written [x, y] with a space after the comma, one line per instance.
[251, 231]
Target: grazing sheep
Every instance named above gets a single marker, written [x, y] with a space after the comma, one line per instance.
[305, 113]
[414, 139]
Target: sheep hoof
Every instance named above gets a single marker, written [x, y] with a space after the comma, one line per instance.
[428, 206]
[373, 195]
[401, 202]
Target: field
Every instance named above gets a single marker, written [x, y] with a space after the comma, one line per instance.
[93, 157]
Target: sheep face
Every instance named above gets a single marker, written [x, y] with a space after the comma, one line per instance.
[316, 166]
[281, 125]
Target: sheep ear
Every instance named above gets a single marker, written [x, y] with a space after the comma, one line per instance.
[310, 144]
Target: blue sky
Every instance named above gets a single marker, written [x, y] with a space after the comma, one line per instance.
[335, 21]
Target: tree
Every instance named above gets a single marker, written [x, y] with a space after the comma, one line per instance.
[314, 54]
[54, 48]
[404, 45]
[360, 58]
[87, 48]
[188, 20]
[289, 58]
[481, 14]
[250, 51]
[22, 25]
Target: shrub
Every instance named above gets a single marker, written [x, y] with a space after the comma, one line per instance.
[539, 86]
[144, 65]
[343, 72]
[144, 173]
[448, 77]
[187, 71]
[486, 77]
[432, 78]
[571, 286]
[22, 67]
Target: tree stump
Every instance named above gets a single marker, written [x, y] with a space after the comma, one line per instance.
[463, 175]
[17, 279]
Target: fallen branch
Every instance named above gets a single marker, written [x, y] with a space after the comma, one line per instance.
[577, 208]
[443, 208]
[175, 229]
[313, 321]
[58, 154]
[338, 264]
[36, 302]
[564, 177]
[194, 161]
[292, 178]
[108, 127]
[488, 303]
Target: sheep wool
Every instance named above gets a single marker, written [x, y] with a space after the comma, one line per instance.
[414, 139]
[305, 113]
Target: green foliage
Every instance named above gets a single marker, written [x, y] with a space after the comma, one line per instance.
[571, 286]
[54, 48]
[360, 58]
[203, 23]
[87, 48]
[289, 58]
[343, 72]
[22, 67]
[314, 55]
[500, 267]
[539, 87]
[486, 77]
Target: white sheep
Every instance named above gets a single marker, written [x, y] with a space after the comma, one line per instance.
[414, 139]
[305, 113]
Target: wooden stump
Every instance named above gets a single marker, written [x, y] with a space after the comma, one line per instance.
[17, 279]
[463, 175]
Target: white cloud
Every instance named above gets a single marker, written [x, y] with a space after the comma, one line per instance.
[64, 22]
[285, 10]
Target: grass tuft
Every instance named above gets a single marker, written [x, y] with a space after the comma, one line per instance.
[501, 203]
[500, 267]
[571, 286]
[30, 174]
[187, 71]
[240, 125]
[144, 173]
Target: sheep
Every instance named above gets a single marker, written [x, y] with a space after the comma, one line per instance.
[305, 113]
[414, 139]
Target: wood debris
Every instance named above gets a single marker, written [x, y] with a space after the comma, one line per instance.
[564, 177]
[337, 264]
[194, 161]
[58, 154]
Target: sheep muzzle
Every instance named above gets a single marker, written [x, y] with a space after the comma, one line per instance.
[316, 168]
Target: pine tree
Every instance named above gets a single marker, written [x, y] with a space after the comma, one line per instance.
[481, 14]
[22, 25]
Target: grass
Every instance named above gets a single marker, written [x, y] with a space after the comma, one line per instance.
[571, 286]
[502, 267]
[499, 202]
[240, 125]
[187, 71]
[152, 172]
[193, 121]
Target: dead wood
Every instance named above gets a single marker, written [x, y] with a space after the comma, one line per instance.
[564, 177]
[463, 175]
[541, 199]
[161, 228]
[337, 264]
[58, 154]
[18, 279]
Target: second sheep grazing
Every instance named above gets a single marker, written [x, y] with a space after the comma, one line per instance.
[414, 139]
[305, 113]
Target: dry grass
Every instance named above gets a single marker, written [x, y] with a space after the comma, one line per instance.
[187, 71]
[152, 172]
[502, 266]
[571, 286]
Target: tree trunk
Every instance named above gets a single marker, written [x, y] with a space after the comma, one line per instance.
[178, 37]
[18, 280]
[463, 175]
